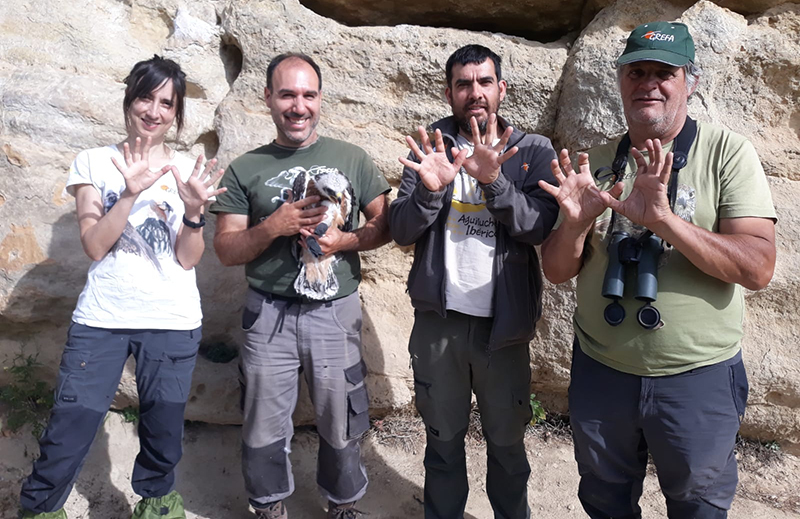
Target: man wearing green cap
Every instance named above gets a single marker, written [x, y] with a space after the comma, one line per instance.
[662, 242]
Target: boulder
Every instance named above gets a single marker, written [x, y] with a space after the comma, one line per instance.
[61, 91]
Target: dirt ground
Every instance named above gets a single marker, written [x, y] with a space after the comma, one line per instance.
[211, 483]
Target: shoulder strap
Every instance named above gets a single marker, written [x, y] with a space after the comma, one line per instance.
[621, 160]
[680, 156]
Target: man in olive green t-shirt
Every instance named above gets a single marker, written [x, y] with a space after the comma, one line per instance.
[262, 224]
[661, 249]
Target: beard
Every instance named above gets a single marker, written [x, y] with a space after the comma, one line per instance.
[293, 137]
[466, 127]
[463, 121]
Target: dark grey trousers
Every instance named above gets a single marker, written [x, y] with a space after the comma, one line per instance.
[450, 359]
[90, 370]
[688, 422]
[323, 341]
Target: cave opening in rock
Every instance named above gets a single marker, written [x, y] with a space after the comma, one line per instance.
[535, 20]
[210, 143]
[232, 58]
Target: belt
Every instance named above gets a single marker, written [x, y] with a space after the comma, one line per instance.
[299, 300]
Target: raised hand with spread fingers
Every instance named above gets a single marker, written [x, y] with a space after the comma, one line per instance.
[578, 197]
[136, 170]
[198, 188]
[647, 204]
[488, 154]
[580, 202]
[434, 167]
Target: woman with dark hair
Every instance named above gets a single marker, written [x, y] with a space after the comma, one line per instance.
[143, 229]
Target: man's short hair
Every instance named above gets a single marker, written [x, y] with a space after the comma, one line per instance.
[471, 54]
[277, 60]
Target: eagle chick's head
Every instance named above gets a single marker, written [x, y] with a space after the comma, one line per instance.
[333, 185]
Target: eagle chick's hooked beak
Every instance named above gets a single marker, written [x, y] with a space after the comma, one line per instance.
[333, 197]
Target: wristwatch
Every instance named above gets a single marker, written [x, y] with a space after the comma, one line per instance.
[194, 225]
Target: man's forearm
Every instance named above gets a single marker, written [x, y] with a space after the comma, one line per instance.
[240, 247]
[746, 259]
[562, 252]
[372, 235]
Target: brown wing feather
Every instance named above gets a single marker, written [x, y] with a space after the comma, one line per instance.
[311, 189]
[339, 219]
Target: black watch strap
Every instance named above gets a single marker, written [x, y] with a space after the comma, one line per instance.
[194, 225]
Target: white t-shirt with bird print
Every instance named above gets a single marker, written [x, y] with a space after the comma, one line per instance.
[139, 283]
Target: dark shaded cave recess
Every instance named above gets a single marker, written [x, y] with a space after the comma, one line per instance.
[535, 20]
[210, 143]
[230, 52]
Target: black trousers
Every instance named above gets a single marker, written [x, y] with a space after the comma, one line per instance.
[687, 422]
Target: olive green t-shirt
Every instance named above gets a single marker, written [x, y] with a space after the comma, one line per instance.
[702, 315]
[260, 180]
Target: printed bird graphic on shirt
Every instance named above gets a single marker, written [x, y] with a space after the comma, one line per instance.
[149, 238]
[317, 279]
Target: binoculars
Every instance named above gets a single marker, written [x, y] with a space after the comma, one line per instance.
[625, 251]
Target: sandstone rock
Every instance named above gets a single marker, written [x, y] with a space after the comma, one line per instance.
[61, 91]
[772, 331]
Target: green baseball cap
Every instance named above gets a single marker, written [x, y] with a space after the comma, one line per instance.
[667, 42]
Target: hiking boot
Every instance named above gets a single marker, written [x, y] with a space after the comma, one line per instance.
[58, 514]
[344, 511]
[274, 510]
[169, 506]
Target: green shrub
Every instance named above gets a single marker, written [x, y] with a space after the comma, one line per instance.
[539, 415]
[29, 400]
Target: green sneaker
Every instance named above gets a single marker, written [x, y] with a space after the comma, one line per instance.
[58, 514]
[169, 506]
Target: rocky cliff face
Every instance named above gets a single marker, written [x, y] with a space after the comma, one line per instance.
[61, 90]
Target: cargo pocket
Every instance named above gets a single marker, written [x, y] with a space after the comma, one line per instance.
[358, 412]
[176, 367]
[70, 373]
[357, 400]
[739, 388]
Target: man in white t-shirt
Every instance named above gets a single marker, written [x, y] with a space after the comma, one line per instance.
[475, 283]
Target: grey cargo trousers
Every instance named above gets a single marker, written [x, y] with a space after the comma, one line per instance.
[322, 340]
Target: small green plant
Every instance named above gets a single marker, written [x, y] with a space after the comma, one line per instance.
[29, 399]
[130, 414]
[539, 415]
[772, 446]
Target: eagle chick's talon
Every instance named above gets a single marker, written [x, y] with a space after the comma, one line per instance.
[313, 246]
[321, 229]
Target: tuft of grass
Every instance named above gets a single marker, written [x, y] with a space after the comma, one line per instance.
[130, 414]
[29, 399]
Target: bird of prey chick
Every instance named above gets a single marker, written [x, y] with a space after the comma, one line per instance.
[316, 279]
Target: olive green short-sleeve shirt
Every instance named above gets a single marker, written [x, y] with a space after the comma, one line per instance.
[257, 184]
[702, 315]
